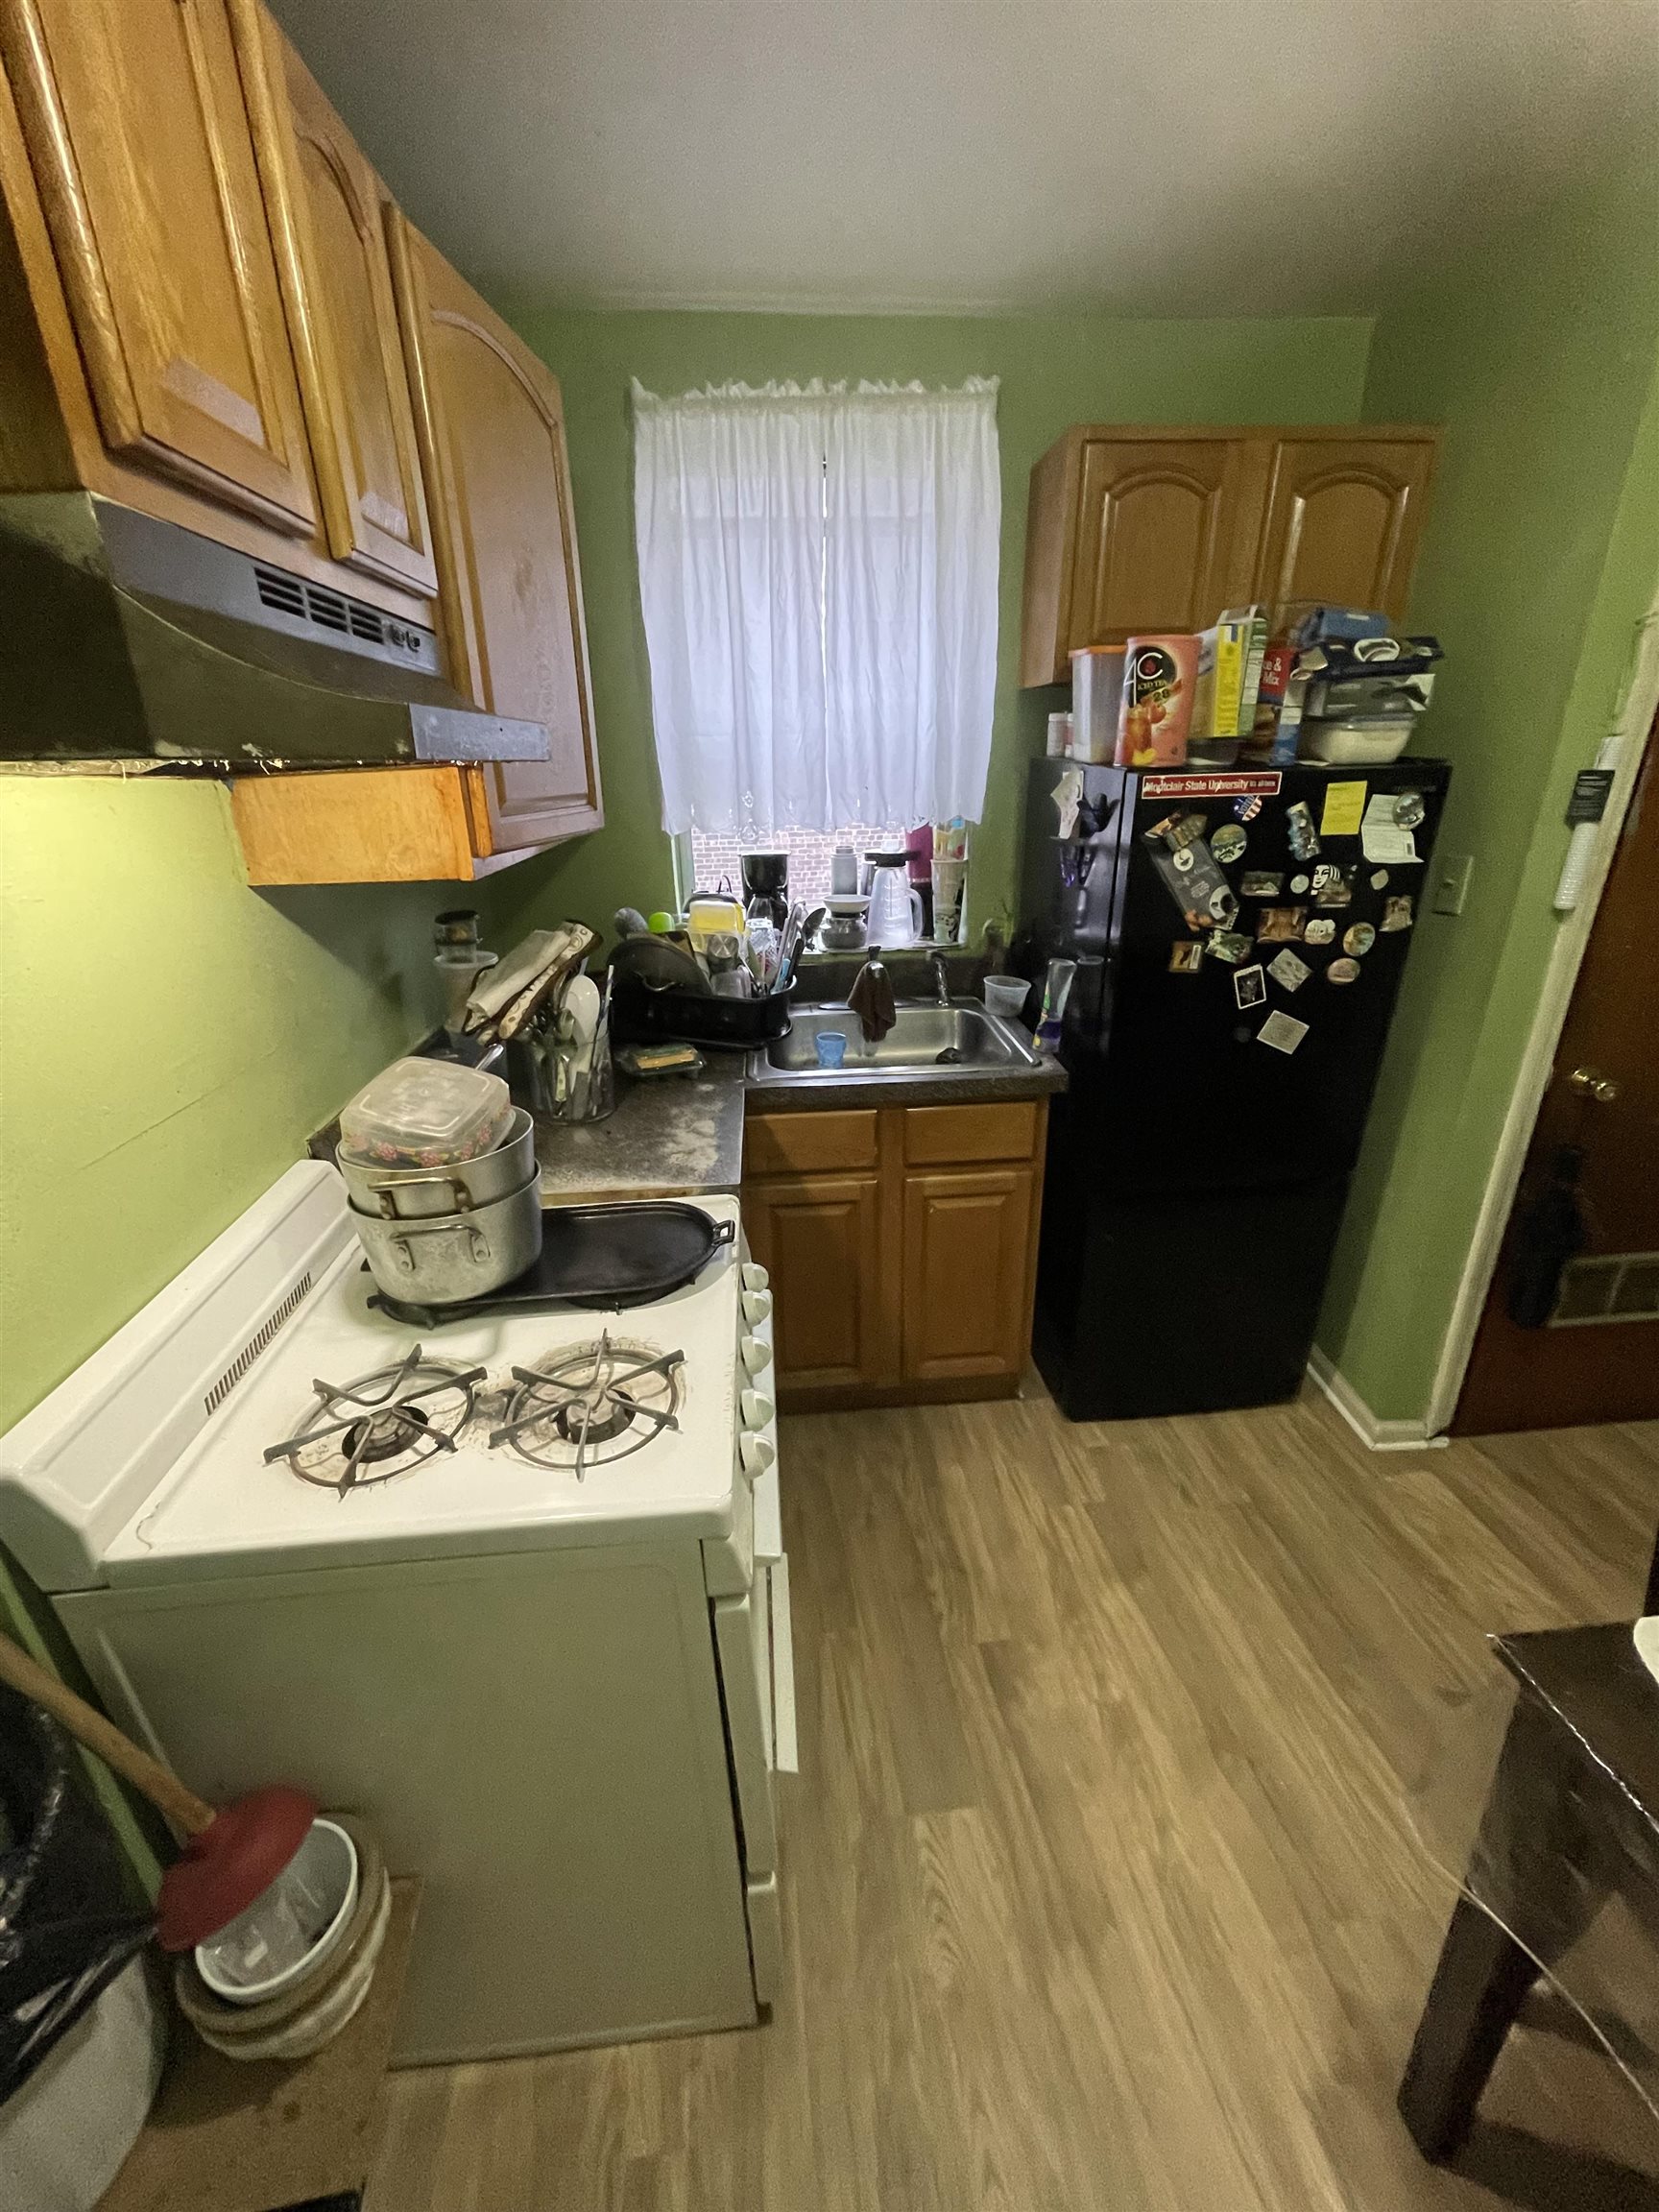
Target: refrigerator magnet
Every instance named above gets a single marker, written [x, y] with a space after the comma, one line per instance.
[1298, 885]
[1299, 829]
[1228, 843]
[1342, 971]
[1333, 886]
[1280, 924]
[1409, 809]
[1320, 930]
[1358, 940]
[1396, 913]
[1162, 833]
[1379, 878]
[1189, 829]
[1287, 970]
[1249, 988]
[1256, 884]
[1226, 945]
[1186, 957]
[1248, 807]
[1223, 906]
[1282, 1031]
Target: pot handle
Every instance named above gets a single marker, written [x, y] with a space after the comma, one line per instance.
[725, 1232]
[477, 1245]
[385, 1193]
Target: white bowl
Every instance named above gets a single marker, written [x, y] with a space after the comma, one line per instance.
[295, 1922]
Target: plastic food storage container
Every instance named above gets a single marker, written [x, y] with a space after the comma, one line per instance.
[426, 1114]
[1358, 741]
[1096, 698]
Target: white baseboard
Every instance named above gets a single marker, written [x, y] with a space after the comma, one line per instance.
[1378, 1435]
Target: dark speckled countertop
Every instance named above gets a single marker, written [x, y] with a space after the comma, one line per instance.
[673, 1137]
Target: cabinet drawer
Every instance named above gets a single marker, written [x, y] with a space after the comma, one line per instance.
[797, 1143]
[940, 1134]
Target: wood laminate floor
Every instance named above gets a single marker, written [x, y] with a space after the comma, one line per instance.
[1103, 1889]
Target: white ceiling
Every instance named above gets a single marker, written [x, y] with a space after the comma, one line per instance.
[1156, 156]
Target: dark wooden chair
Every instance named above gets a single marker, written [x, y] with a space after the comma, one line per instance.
[1571, 1819]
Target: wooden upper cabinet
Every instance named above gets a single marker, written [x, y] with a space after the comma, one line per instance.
[1143, 529]
[490, 425]
[139, 137]
[328, 216]
[1344, 511]
[1155, 537]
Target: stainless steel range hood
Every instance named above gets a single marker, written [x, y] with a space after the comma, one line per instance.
[123, 637]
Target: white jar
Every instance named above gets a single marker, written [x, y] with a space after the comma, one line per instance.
[844, 872]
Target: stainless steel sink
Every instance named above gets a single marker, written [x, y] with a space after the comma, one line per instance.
[926, 1038]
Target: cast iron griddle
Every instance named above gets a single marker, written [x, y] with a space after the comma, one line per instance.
[606, 1256]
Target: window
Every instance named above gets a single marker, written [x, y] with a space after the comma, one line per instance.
[818, 574]
[713, 858]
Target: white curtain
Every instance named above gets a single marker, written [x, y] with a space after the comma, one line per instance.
[818, 574]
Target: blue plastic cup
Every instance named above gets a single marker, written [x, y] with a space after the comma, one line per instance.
[831, 1047]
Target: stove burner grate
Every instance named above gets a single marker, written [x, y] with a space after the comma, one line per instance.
[591, 1404]
[381, 1425]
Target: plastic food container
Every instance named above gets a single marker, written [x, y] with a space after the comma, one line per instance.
[1096, 699]
[426, 1114]
[1358, 741]
[1005, 996]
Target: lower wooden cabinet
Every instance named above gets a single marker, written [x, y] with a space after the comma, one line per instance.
[901, 1245]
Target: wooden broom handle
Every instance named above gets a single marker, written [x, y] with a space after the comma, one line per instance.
[88, 1726]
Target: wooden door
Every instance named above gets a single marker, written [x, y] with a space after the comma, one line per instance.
[1344, 516]
[1597, 1357]
[818, 1236]
[328, 223]
[141, 143]
[491, 428]
[1158, 525]
[967, 1258]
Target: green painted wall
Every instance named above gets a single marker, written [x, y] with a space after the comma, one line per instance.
[168, 1040]
[1055, 370]
[1541, 553]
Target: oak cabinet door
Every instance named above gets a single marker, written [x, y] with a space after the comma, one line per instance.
[1344, 518]
[491, 429]
[141, 143]
[967, 1253]
[818, 1236]
[1158, 529]
[328, 211]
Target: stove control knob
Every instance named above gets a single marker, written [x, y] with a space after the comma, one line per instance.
[754, 1354]
[757, 1304]
[756, 1454]
[755, 1410]
[754, 1276]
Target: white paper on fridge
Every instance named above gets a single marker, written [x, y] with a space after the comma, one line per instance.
[1381, 839]
[1283, 1031]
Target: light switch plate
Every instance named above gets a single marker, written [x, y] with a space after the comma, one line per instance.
[1452, 873]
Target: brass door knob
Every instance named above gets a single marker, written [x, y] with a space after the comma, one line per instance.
[1591, 1083]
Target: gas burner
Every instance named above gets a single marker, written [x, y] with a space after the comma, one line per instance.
[592, 1404]
[381, 1425]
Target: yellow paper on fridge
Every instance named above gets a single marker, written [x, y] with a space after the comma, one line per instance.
[1344, 810]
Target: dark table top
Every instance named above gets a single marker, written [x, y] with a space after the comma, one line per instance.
[1595, 1682]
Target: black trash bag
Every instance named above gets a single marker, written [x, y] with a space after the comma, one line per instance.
[67, 1925]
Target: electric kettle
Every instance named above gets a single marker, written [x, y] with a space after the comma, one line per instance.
[894, 918]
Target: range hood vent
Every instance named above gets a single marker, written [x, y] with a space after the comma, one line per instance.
[123, 637]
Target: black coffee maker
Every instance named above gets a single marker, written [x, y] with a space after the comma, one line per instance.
[766, 885]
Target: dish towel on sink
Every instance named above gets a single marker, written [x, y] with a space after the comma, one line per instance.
[871, 998]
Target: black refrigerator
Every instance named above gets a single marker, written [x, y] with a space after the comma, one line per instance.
[1239, 939]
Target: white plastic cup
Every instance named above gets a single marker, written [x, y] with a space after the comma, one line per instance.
[1005, 996]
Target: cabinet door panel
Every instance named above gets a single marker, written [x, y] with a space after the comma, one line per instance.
[1156, 527]
[967, 1247]
[491, 422]
[327, 219]
[1343, 520]
[141, 142]
[818, 1236]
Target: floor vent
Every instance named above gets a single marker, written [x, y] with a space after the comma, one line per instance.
[255, 1344]
[1612, 1287]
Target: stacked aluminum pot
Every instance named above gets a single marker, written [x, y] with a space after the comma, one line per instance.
[437, 1236]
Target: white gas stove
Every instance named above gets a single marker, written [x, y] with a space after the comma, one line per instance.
[513, 1586]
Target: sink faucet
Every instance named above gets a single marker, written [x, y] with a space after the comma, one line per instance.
[941, 977]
